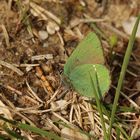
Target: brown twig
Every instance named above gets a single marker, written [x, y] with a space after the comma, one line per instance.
[12, 67]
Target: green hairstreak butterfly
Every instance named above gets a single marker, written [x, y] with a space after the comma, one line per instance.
[85, 58]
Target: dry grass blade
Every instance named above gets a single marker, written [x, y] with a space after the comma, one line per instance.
[42, 57]
[35, 107]
[49, 14]
[71, 113]
[51, 124]
[130, 100]
[76, 22]
[79, 117]
[33, 93]
[60, 117]
[130, 72]
[12, 67]
[19, 114]
[90, 114]
[4, 111]
[115, 30]
[6, 36]
[11, 89]
[10, 4]
[26, 65]
[37, 12]
[54, 95]
[136, 130]
[61, 39]
[8, 103]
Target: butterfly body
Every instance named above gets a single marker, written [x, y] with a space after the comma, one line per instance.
[85, 58]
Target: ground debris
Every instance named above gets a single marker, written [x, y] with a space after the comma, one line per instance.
[37, 37]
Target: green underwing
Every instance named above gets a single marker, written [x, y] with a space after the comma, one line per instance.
[87, 56]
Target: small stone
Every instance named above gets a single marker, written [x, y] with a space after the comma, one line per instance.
[29, 52]
[45, 45]
[43, 35]
[16, 53]
[64, 112]
[52, 27]
[62, 104]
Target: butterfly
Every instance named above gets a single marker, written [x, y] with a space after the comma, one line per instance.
[87, 59]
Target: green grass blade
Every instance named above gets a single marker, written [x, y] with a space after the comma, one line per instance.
[4, 137]
[118, 134]
[123, 71]
[122, 131]
[7, 120]
[13, 134]
[99, 105]
[49, 135]
[39, 131]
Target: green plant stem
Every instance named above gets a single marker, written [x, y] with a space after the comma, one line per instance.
[99, 106]
[122, 74]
